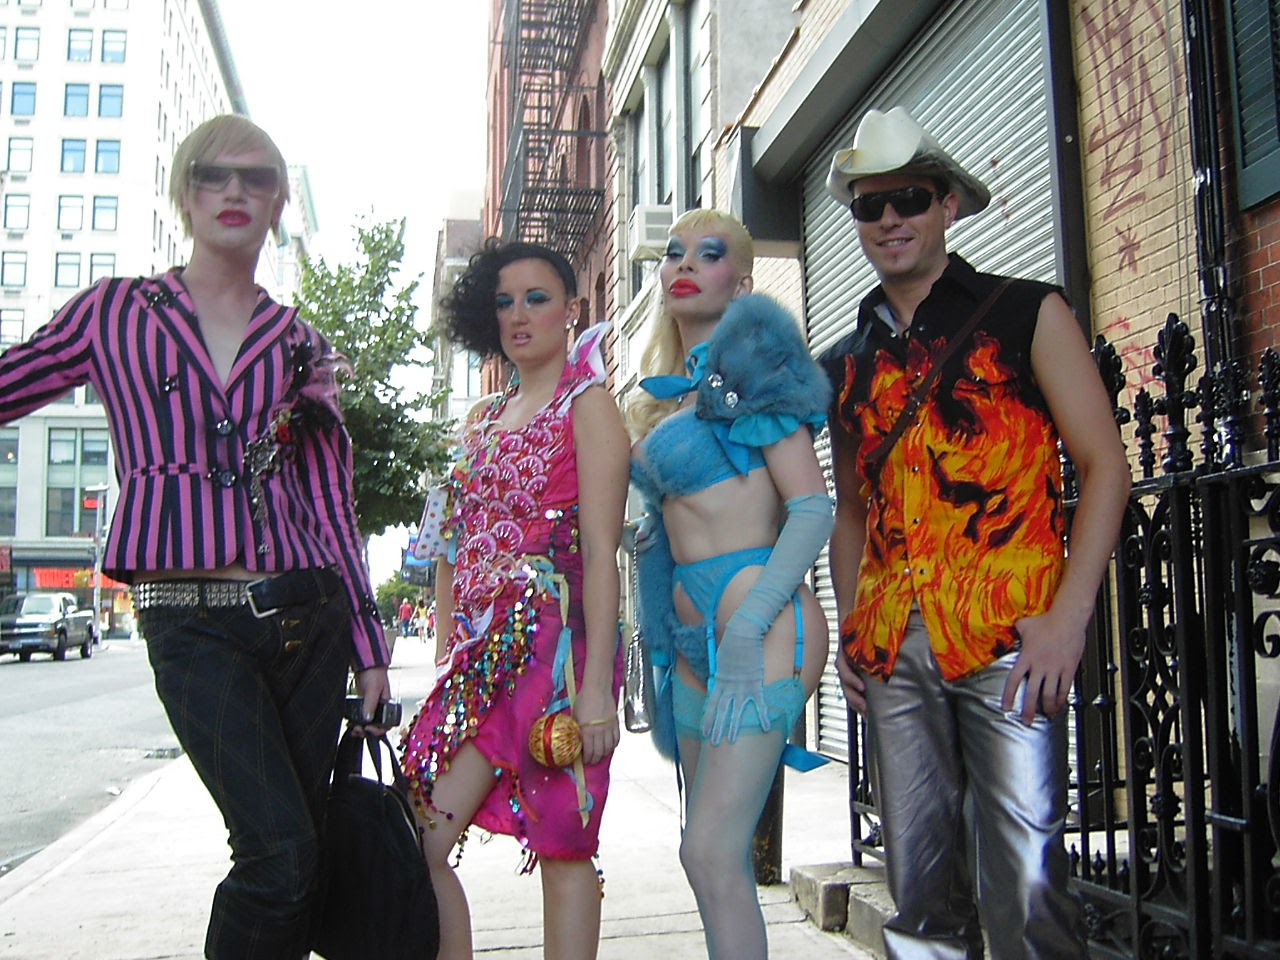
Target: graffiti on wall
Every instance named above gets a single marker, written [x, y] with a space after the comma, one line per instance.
[1135, 71]
[1133, 78]
[1137, 356]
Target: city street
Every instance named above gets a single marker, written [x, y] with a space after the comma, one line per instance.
[76, 733]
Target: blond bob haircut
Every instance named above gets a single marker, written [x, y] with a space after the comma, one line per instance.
[228, 133]
[664, 353]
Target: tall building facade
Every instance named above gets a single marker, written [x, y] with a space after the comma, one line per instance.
[548, 179]
[95, 96]
[455, 378]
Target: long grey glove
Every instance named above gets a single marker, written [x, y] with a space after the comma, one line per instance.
[739, 672]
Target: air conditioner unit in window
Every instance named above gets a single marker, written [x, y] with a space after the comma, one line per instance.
[647, 231]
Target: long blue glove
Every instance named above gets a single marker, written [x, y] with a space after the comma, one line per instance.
[739, 672]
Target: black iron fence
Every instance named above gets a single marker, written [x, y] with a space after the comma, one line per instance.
[1176, 750]
[1176, 730]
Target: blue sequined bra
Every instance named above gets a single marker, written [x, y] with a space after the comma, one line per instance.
[682, 456]
[755, 384]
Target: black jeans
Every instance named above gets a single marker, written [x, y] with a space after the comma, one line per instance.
[260, 725]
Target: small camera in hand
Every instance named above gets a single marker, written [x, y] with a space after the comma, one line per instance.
[387, 714]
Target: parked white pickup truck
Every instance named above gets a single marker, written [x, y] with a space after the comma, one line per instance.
[46, 623]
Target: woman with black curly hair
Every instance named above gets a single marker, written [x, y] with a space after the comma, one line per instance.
[527, 601]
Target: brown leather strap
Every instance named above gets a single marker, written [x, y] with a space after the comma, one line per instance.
[875, 460]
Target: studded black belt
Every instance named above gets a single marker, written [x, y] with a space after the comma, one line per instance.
[263, 597]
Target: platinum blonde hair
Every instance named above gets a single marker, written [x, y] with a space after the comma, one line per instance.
[664, 354]
[227, 133]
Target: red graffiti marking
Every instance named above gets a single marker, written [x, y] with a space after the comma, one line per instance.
[1129, 246]
[1133, 126]
[1138, 360]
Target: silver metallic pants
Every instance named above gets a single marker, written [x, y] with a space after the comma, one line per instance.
[966, 790]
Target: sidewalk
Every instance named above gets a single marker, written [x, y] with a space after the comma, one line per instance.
[135, 881]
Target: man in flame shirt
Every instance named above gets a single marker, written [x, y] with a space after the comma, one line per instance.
[963, 613]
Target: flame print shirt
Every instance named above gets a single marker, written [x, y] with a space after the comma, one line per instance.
[965, 518]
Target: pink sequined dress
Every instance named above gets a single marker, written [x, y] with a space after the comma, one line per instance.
[518, 623]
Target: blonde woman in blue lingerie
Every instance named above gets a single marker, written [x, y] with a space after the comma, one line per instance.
[737, 513]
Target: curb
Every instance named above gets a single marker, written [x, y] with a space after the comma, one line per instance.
[71, 847]
[842, 897]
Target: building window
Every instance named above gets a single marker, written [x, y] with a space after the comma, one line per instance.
[79, 45]
[70, 212]
[101, 265]
[73, 154]
[20, 154]
[113, 43]
[81, 4]
[22, 99]
[1253, 38]
[60, 512]
[115, 4]
[105, 211]
[66, 270]
[26, 44]
[13, 268]
[12, 320]
[4, 40]
[77, 459]
[110, 100]
[8, 507]
[29, 3]
[697, 108]
[107, 158]
[62, 447]
[8, 481]
[76, 101]
[639, 143]
[17, 211]
[665, 171]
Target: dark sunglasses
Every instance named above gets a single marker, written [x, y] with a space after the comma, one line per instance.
[907, 201]
[258, 181]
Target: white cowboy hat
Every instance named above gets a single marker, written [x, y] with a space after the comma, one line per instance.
[894, 142]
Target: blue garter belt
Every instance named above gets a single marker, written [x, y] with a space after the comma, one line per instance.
[704, 582]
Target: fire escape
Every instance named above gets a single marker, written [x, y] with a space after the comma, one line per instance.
[548, 196]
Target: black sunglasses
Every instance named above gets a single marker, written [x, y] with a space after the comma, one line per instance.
[907, 201]
[258, 181]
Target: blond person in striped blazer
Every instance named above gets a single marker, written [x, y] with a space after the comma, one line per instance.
[235, 521]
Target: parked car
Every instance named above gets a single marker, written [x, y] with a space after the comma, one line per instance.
[46, 622]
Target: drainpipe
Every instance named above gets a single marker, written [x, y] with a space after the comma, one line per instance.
[1217, 310]
[1065, 164]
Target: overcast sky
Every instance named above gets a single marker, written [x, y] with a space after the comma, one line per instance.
[383, 101]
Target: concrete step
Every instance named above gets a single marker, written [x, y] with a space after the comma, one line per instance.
[842, 897]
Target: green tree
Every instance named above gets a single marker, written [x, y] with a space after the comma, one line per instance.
[371, 320]
[388, 595]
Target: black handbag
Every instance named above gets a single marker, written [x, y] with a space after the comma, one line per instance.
[378, 903]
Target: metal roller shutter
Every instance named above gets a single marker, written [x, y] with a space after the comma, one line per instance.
[975, 80]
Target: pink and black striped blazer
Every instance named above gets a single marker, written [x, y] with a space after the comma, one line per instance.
[180, 436]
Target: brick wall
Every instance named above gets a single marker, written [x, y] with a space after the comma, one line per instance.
[782, 279]
[1139, 204]
[1255, 263]
[816, 18]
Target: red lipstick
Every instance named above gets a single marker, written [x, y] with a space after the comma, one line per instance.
[233, 218]
[684, 288]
